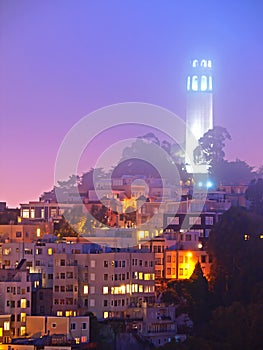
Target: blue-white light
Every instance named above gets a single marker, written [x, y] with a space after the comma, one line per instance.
[209, 184]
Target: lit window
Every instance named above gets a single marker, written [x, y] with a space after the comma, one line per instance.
[23, 317]
[32, 213]
[86, 289]
[195, 83]
[6, 325]
[203, 83]
[105, 290]
[22, 330]
[210, 84]
[92, 263]
[25, 213]
[6, 251]
[188, 83]
[38, 232]
[195, 63]
[204, 63]
[1, 331]
[23, 304]
[50, 251]
[59, 313]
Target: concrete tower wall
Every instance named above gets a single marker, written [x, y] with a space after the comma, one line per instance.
[199, 113]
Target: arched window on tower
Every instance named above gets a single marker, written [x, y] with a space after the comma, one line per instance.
[209, 64]
[188, 83]
[204, 63]
[203, 83]
[195, 83]
[210, 84]
[195, 63]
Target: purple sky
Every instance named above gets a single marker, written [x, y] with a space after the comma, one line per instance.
[60, 60]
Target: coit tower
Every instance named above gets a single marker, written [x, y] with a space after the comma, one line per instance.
[199, 109]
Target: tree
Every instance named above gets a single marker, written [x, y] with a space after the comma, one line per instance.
[211, 144]
[254, 194]
[236, 249]
[231, 173]
[237, 327]
[150, 157]
[64, 229]
[200, 298]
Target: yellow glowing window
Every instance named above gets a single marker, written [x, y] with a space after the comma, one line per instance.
[50, 251]
[140, 288]
[6, 325]
[86, 289]
[23, 303]
[38, 232]
[105, 314]
[140, 275]
[1, 331]
[25, 213]
[23, 317]
[59, 313]
[22, 330]
[69, 313]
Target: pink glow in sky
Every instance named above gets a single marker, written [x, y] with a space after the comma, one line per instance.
[61, 60]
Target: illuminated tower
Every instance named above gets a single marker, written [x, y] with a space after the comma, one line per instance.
[199, 112]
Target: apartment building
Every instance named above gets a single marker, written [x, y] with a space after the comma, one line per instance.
[103, 283]
[15, 297]
[176, 254]
[75, 329]
[39, 256]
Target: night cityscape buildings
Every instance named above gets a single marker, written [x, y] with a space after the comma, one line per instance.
[120, 262]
